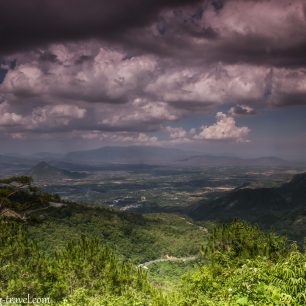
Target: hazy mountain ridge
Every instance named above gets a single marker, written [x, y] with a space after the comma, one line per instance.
[266, 206]
[44, 171]
[161, 155]
[211, 160]
[144, 155]
[244, 198]
[10, 159]
[129, 154]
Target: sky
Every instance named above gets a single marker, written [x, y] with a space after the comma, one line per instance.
[215, 76]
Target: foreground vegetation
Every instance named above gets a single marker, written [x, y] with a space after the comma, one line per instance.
[244, 266]
[86, 256]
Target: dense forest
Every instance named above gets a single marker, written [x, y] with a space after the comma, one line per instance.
[77, 255]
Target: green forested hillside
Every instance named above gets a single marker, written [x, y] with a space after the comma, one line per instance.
[243, 266]
[282, 208]
[77, 255]
[83, 270]
[135, 237]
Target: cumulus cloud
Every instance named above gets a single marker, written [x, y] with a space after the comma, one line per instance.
[140, 112]
[110, 91]
[9, 118]
[241, 110]
[110, 69]
[122, 137]
[52, 116]
[177, 135]
[288, 87]
[109, 77]
[214, 85]
[224, 129]
[55, 115]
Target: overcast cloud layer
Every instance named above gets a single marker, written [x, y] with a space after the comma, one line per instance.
[131, 71]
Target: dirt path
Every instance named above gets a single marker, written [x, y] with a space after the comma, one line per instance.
[51, 204]
[173, 258]
[204, 229]
[27, 212]
[168, 258]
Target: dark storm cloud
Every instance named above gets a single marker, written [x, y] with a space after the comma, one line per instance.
[268, 33]
[83, 59]
[5, 66]
[258, 50]
[193, 106]
[3, 73]
[136, 66]
[34, 23]
[290, 99]
[24, 24]
[240, 110]
[218, 4]
[90, 97]
[46, 56]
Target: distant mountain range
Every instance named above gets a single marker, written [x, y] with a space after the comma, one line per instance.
[43, 171]
[136, 155]
[210, 160]
[158, 155]
[266, 206]
[12, 165]
[129, 154]
[14, 160]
